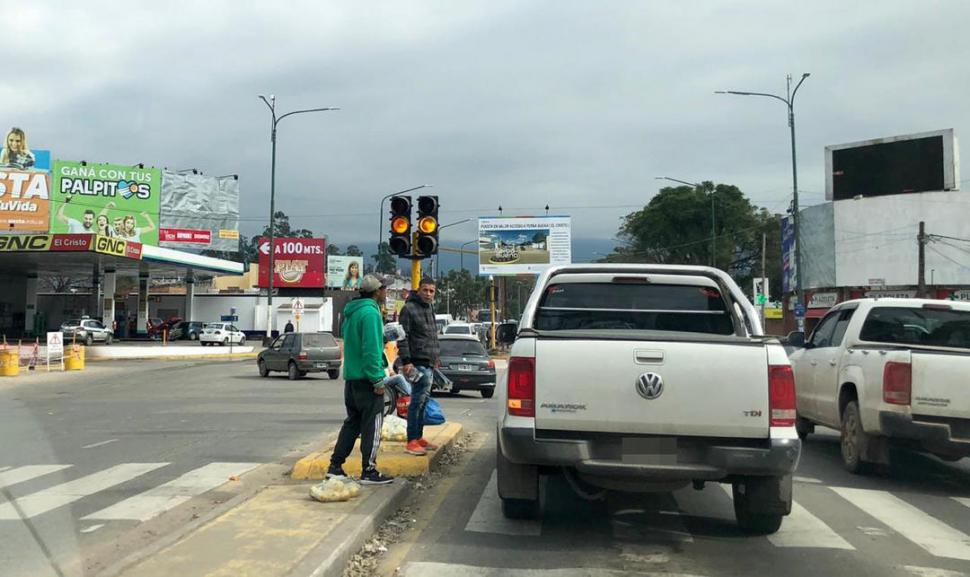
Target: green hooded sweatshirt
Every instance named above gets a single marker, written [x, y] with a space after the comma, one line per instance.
[363, 332]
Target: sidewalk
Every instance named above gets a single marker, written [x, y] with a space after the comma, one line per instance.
[282, 531]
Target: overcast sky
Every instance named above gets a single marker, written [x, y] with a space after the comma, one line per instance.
[575, 104]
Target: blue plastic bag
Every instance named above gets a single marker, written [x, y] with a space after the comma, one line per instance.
[433, 414]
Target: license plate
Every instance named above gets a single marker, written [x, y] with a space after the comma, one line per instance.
[464, 367]
[321, 365]
[649, 451]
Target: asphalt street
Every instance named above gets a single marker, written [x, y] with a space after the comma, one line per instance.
[912, 520]
[91, 458]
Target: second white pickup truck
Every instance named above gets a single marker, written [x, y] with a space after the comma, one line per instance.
[647, 378]
[888, 371]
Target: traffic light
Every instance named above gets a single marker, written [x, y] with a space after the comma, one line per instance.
[399, 240]
[427, 240]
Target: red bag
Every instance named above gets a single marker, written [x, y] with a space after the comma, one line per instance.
[403, 402]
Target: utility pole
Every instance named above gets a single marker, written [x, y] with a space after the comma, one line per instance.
[764, 278]
[921, 266]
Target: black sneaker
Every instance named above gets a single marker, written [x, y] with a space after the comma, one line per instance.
[375, 478]
[336, 473]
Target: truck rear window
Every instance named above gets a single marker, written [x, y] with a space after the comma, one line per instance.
[633, 307]
[918, 326]
[316, 341]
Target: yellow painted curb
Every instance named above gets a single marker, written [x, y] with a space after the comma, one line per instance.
[391, 460]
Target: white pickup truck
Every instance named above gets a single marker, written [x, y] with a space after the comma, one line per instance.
[888, 371]
[647, 378]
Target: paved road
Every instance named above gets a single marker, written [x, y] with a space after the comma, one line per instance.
[88, 458]
[915, 521]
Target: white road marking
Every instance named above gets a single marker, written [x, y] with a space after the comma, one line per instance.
[802, 529]
[933, 572]
[963, 501]
[27, 472]
[92, 528]
[487, 516]
[428, 569]
[147, 505]
[930, 533]
[806, 480]
[66, 493]
[101, 444]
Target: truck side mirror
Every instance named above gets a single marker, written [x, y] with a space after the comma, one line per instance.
[796, 339]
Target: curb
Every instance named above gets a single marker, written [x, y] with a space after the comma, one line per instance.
[331, 556]
[392, 460]
[175, 357]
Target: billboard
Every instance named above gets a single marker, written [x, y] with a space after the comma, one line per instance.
[108, 199]
[297, 263]
[923, 162]
[199, 211]
[24, 201]
[15, 152]
[523, 244]
[344, 272]
[787, 255]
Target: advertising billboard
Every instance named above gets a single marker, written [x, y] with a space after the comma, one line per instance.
[24, 201]
[523, 244]
[787, 255]
[199, 211]
[297, 263]
[16, 153]
[108, 199]
[344, 272]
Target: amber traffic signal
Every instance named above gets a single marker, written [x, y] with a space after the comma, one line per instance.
[427, 237]
[399, 240]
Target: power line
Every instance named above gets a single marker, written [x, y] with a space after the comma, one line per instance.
[959, 264]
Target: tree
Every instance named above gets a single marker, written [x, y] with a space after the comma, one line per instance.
[468, 292]
[384, 262]
[354, 250]
[675, 228]
[333, 249]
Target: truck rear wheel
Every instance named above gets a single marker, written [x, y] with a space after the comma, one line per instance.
[854, 440]
[518, 487]
[760, 503]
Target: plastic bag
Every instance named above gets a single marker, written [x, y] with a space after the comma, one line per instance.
[335, 490]
[394, 429]
[403, 403]
[433, 415]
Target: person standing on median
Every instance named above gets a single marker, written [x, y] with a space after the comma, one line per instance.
[419, 352]
[363, 331]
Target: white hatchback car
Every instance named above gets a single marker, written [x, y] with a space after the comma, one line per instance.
[221, 334]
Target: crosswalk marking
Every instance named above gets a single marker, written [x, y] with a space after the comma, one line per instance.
[66, 493]
[963, 501]
[931, 534]
[146, 505]
[26, 473]
[488, 518]
[802, 529]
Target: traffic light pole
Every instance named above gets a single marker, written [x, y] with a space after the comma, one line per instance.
[415, 264]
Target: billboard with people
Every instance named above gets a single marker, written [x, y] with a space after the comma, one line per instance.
[108, 199]
[344, 272]
[24, 185]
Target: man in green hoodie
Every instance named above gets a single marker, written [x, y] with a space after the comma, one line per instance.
[364, 362]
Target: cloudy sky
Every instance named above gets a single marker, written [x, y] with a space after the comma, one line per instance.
[514, 103]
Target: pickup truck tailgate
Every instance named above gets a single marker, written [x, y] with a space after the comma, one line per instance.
[713, 389]
[941, 384]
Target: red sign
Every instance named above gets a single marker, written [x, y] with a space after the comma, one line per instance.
[298, 262]
[186, 235]
[133, 250]
[72, 242]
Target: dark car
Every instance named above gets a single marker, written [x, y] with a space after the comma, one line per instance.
[300, 353]
[186, 330]
[466, 363]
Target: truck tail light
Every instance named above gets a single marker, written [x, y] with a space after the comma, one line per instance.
[781, 396]
[897, 383]
[303, 356]
[491, 364]
[522, 387]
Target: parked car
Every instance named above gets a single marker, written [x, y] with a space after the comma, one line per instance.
[87, 331]
[647, 378]
[459, 329]
[186, 330]
[888, 372]
[466, 364]
[300, 353]
[221, 334]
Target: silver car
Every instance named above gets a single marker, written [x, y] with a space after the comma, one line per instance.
[87, 331]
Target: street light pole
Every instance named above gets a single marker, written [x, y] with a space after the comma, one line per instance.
[437, 257]
[271, 104]
[789, 101]
[713, 216]
[462, 251]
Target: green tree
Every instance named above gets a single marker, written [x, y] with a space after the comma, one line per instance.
[468, 292]
[333, 249]
[384, 261]
[675, 228]
[354, 250]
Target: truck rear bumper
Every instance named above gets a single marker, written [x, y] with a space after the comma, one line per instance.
[693, 458]
[934, 436]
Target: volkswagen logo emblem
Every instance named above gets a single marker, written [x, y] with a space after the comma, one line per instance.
[650, 385]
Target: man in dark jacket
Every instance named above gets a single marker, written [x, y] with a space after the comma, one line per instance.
[419, 352]
[364, 362]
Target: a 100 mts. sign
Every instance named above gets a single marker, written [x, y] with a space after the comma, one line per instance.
[297, 262]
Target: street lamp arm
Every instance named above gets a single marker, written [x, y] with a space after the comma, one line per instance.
[268, 105]
[302, 111]
[739, 93]
[694, 184]
[797, 86]
[454, 223]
